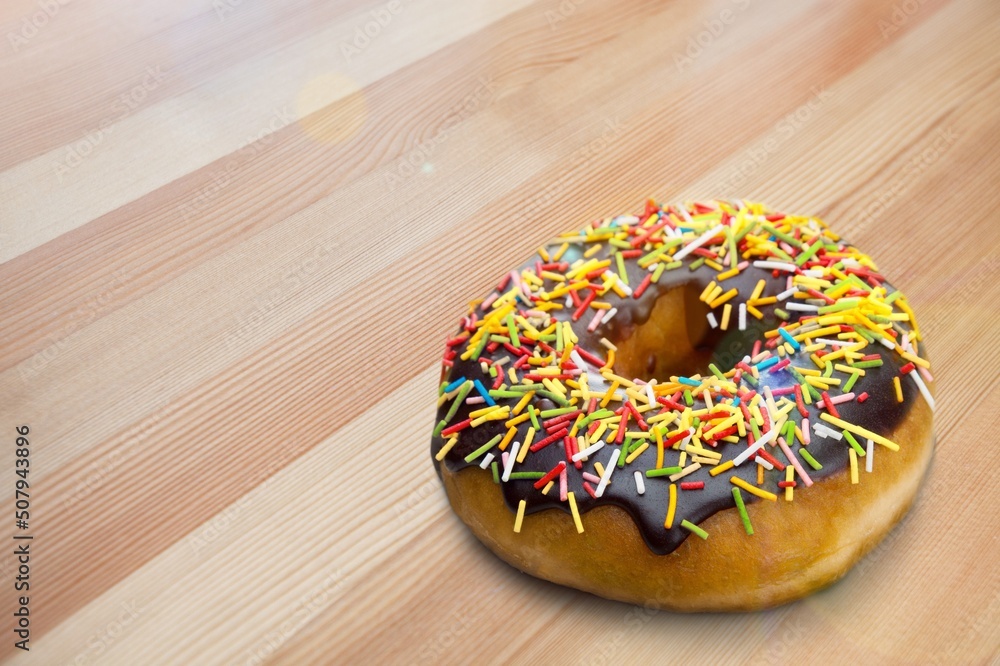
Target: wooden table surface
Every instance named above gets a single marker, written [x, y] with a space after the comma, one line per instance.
[235, 234]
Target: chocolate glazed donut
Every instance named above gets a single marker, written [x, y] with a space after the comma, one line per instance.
[683, 408]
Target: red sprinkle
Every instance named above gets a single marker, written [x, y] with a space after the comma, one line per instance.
[692, 485]
[909, 367]
[863, 397]
[552, 473]
[828, 405]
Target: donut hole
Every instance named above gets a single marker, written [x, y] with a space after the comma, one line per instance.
[675, 340]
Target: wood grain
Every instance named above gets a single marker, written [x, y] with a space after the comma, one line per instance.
[197, 280]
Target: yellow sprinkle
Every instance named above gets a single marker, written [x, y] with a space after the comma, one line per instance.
[599, 467]
[559, 253]
[523, 452]
[524, 401]
[715, 471]
[693, 467]
[508, 438]
[445, 449]
[917, 360]
[548, 487]
[726, 311]
[758, 290]
[854, 464]
[638, 452]
[755, 312]
[753, 490]
[659, 448]
[520, 515]
[732, 272]
[544, 254]
[847, 368]
[760, 475]
[576, 513]
[671, 507]
[709, 288]
[899, 389]
[729, 295]
[858, 430]
[789, 476]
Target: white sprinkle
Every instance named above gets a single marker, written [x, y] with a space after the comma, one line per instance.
[780, 265]
[785, 295]
[487, 460]
[711, 320]
[802, 307]
[640, 486]
[869, 454]
[757, 446]
[923, 389]
[693, 467]
[475, 400]
[834, 343]
[743, 316]
[823, 431]
[611, 313]
[885, 343]
[701, 240]
[509, 461]
[589, 451]
[761, 461]
[649, 393]
[608, 469]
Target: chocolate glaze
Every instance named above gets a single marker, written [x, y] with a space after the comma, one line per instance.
[880, 413]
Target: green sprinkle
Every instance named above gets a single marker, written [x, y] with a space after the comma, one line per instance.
[665, 471]
[695, 265]
[809, 459]
[808, 254]
[828, 370]
[850, 382]
[483, 449]
[496, 472]
[755, 429]
[854, 443]
[716, 372]
[534, 418]
[688, 398]
[501, 393]
[620, 261]
[441, 388]
[459, 399]
[559, 411]
[673, 265]
[877, 363]
[892, 297]
[863, 332]
[741, 507]
[813, 393]
[694, 529]
[515, 341]
[658, 272]
[842, 304]
[554, 397]
[782, 235]
[480, 346]
[439, 427]
[781, 314]
[623, 244]
[526, 475]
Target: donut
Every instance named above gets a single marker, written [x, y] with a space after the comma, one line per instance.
[710, 406]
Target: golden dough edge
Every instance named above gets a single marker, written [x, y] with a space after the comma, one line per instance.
[797, 548]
